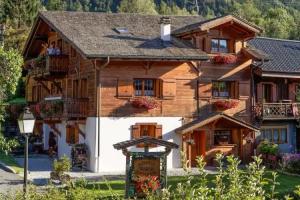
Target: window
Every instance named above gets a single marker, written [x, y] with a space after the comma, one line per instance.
[144, 87]
[83, 88]
[224, 89]
[72, 135]
[219, 45]
[276, 135]
[146, 129]
[222, 137]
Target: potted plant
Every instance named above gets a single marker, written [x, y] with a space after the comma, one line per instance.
[50, 108]
[61, 166]
[224, 59]
[145, 102]
[225, 104]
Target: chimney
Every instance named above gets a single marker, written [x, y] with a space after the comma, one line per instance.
[165, 29]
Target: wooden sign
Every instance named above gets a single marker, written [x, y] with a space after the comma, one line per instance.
[147, 166]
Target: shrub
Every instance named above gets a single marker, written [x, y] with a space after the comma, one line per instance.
[266, 147]
[7, 145]
[62, 165]
[291, 163]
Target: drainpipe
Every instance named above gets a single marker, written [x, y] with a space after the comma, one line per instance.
[98, 104]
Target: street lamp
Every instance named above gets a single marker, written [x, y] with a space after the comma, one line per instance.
[26, 124]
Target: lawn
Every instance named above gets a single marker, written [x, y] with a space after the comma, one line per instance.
[287, 184]
[11, 162]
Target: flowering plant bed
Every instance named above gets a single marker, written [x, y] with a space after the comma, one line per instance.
[144, 102]
[226, 104]
[146, 184]
[224, 59]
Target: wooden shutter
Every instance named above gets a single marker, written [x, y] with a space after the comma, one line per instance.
[135, 131]
[234, 90]
[68, 135]
[244, 89]
[204, 89]
[158, 131]
[274, 92]
[83, 88]
[76, 135]
[169, 89]
[125, 88]
[292, 91]
[259, 92]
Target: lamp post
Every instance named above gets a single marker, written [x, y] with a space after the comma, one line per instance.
[26, 124]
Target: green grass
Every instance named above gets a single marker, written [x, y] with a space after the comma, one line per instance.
[11, 162]
[287, 184]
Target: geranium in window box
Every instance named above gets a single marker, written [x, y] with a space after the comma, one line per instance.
[146, 102]
[51, 108]
[224, 59]
[226, 104]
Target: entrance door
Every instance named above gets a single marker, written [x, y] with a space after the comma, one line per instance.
[198, 146]
[298, 139]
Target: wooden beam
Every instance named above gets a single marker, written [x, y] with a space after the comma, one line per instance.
[55, 130]
[57, 85]
[79, 130]
[44, 85]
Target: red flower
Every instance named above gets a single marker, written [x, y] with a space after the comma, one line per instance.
[147, 184]
[144, 102]
[225, 59]
[226, 104]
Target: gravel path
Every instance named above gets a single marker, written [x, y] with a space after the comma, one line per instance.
[9, 182]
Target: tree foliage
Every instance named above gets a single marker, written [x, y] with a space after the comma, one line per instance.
[137, 6]
[10, 71]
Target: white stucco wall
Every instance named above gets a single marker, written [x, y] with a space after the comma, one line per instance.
[114, 130]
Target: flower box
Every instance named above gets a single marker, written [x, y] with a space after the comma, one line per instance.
[144, 102]
[51, 108]
[224, 59]
[225, 104]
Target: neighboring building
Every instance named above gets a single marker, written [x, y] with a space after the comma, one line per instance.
[197, 74]
[277, 93]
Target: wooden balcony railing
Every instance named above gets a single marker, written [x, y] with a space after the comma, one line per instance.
[274, 111]
[61, 108]
[49, 65]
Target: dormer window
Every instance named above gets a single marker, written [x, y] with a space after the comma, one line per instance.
[219, 46]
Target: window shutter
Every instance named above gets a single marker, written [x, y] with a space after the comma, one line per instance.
[76, 135]
[292, 91]
[169, 89]
[135, 131]
[158, 131]
[204, 89]
[259, 92]
[125, 88]
[68, 136]
[244, 89]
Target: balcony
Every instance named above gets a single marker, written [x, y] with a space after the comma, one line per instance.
[61, 108]
[276, 111]
[55, 65]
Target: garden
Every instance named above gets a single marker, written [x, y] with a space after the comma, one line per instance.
[231, 181]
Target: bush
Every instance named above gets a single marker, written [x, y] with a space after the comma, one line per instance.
[266, 147]
[291, 163]
[7, 145]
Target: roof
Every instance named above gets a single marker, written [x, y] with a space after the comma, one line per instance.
[144, 140]
[94, 35]
[211, 23]
[215, 116]
[284, 54]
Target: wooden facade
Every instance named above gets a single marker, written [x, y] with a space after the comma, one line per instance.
[188, 89]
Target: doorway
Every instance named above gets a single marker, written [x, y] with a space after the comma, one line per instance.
[298, 139]
[198, 146]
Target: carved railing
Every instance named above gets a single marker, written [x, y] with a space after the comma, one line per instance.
[270, 111]
[61, 108]
[46, 65]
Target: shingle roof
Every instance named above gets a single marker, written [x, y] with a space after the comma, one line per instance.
[284, 54]
[194, 26]
[94, 35]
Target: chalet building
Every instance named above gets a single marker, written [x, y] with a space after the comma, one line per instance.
[100, 79]
[277, 91]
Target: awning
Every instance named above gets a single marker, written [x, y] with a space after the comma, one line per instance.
[202, 122]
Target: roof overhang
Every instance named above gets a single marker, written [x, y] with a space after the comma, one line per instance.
[281, 74]
[202, 122]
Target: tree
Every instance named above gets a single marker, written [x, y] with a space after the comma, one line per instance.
[10, 71]
[137, 6]
[164, 9]
[56, 5]
[279, 23]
